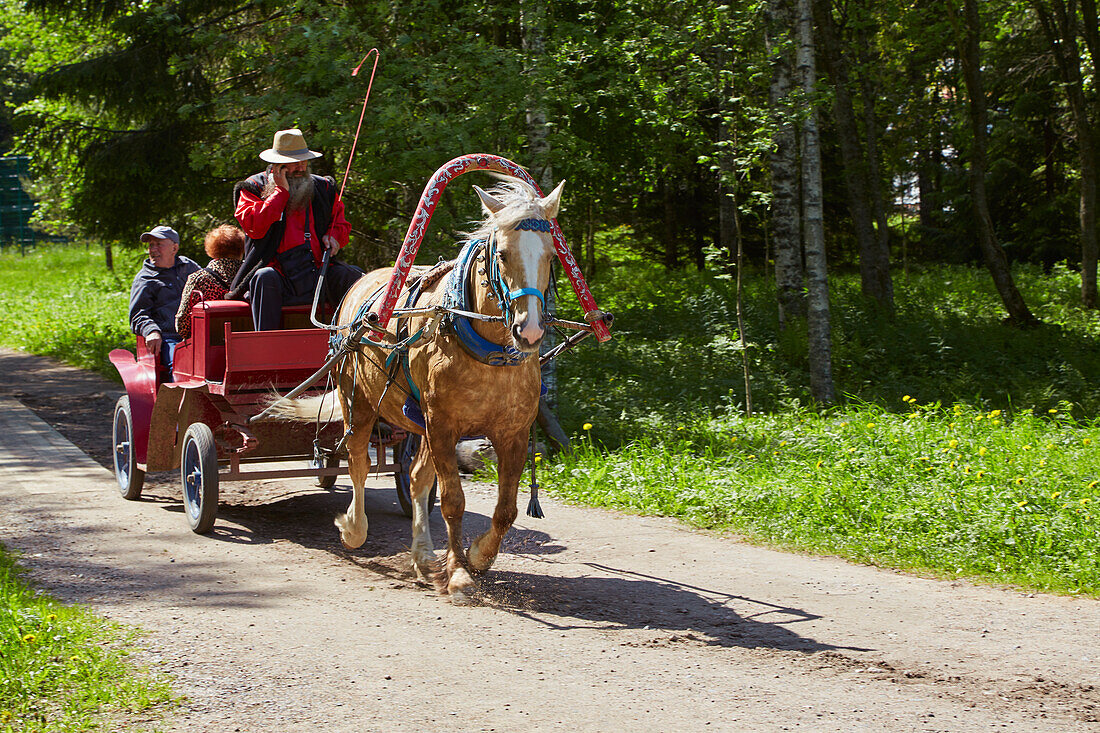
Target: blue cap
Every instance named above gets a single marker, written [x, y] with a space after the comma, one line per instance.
[161, 232]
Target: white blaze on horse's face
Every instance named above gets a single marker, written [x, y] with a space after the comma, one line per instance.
[525, 257]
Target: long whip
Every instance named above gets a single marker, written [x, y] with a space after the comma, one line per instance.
[343, 184]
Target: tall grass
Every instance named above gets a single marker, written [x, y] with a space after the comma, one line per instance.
[61, 301]
[63, 669]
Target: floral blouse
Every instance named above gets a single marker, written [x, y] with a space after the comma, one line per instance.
[202, 286]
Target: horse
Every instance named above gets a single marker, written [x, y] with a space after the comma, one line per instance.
[472, 377]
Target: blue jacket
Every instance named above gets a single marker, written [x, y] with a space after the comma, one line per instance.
[155, 296]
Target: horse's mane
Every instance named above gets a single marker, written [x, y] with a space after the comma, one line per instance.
[520, 200]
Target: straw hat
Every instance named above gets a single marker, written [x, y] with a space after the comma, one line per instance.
[289, 147]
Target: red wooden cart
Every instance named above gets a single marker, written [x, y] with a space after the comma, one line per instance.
[199, 423]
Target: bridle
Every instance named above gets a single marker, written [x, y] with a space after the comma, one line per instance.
[498, 289]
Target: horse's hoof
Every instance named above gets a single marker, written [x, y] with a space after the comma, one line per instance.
[348, 539]
[461, 588]
[478, 563]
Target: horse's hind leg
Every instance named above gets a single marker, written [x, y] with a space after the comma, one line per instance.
[353, 523]
[422, 476]
[511, 454]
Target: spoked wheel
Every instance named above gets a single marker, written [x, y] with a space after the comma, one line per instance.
[405, 452]
[199, 476]
[130, 477]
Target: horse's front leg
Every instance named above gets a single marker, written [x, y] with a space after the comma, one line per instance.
[452, 578]
[511, 453]
[422, 474]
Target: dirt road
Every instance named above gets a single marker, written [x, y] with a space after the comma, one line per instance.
[590, 621]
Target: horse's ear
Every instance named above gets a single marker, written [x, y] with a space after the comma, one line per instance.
[551, 203]
[491, 204]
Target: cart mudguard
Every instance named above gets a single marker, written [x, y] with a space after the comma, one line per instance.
[139, 376]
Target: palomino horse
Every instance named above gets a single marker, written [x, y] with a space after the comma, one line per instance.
[473, 377]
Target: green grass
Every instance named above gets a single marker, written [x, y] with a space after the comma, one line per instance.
[957, 491]
[64, 669]
[61, 301]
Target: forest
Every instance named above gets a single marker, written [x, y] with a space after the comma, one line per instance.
[688, 131]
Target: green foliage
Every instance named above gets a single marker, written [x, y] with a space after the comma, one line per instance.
[676, 353]
[63, 669]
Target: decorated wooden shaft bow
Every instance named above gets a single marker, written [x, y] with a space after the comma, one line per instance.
[428, 200]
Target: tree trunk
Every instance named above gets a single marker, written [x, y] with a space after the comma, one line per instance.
[820, 348]
[783, 167]
[995, 259]
[1061, 33]
[533, 22]
[108, 257]
[880, 253]
[851, 152]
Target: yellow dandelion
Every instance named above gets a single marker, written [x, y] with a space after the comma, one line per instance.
[952, 464]
[953, 443]
[1053, 411]
[851, 450]
[870, 424]
[586, 426]
[28, 639]
[775, 452]
[782, 443]
[923, 458]
[52, 617]
[981, 474]
[818, 464]
[538, 458]
[906, 398]
[995, 413]
[1027, 447]
[930, 468]
[1042, 462]
[751, 456]
[982, 451]
[1019, 481]
[679, 427]
[1086, 441]
[1084, 501]
[1022, 503]
[978, 417]
[951, 425]
[1093, 484]
[966, 469]
[1055, 495]
[1050, 446]
[733, 438]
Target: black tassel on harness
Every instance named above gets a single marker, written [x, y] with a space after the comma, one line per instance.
[533, 508]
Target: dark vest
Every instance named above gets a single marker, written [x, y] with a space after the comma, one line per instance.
[261, 252]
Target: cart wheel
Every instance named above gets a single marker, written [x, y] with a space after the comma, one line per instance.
[199, 476]
[405, 452]
[130, 477]
[325, 482]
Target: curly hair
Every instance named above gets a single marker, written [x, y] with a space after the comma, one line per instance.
[224, 242]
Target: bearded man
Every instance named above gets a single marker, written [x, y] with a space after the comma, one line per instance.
[291, 217]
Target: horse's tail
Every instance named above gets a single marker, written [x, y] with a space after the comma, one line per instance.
[320, 408]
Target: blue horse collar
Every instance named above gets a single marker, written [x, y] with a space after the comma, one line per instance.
[458, 296]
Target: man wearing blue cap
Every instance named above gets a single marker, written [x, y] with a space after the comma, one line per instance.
[156, 292]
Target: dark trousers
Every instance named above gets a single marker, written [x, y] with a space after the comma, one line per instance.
[270, 290]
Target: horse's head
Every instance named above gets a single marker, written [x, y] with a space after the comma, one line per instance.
[520, 251]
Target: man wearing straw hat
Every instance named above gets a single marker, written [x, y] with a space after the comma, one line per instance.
[291, 218]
